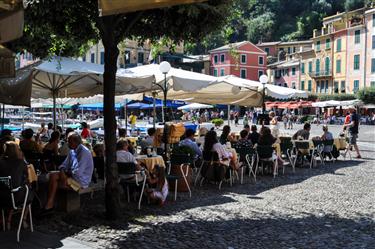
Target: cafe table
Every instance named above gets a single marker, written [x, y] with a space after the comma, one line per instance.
[150, 162]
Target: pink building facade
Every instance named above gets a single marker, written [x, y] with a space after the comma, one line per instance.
[242, 59]
[286, 73]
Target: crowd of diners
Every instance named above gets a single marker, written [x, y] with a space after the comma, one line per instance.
[75, 168]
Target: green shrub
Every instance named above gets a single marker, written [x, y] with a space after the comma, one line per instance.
[338, 97]
[367, 95]
[218, 122]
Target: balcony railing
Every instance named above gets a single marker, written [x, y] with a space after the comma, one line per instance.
[324, 73]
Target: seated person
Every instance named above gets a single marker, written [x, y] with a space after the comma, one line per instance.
[28, 144]
[247, 128]
[51, 149]
[13, 164]
[226, 136]
[189, 142]
[6, 136]
[211, 144]
[326, 136]
[202, 133]
[64, 149]
[75, 172]
[244, 142]
[160, 192]
[122, 152]
[254, 135]
[304, 133]
[98, 149]
[121, 133]
[266, 139]
[149, 140]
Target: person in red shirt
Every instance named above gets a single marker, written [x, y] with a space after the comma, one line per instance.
[85, 131]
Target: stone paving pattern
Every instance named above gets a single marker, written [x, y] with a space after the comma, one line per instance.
[331, 206]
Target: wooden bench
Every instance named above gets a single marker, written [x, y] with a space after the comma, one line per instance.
[69, 200]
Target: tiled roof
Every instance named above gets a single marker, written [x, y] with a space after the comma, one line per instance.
[229, 46]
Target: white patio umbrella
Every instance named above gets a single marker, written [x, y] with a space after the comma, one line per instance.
[61, 76]
[195, 106]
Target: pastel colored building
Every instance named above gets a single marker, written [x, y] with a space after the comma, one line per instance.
[370, 51]
[241, 59]
[285, 73]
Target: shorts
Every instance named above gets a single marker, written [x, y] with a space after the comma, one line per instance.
[73, 184]
[353, 139]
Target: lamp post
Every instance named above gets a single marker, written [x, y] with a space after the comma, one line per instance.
[264, 80]
[164, 68]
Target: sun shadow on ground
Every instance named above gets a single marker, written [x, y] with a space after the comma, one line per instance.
[280, 232]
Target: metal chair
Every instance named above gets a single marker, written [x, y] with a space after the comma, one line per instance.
[265, 154]
[302, 150]
[8, 201]
[246, 157]
[129, 176]
[179, 160]
[317, 151]
[286, 147]
[327, 148]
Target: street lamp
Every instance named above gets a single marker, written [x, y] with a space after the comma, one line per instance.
[264, 80]
[164, 67]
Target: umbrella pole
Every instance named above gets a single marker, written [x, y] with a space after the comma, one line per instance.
[228, 115]
[23, 118]
[3, 119]
[126, 116]
[54, 110]
[154, 111]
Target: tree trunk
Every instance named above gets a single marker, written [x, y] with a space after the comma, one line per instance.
[111, 52]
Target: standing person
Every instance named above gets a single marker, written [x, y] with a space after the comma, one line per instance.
[231, 116]
[317, 113]
[236, 117]
[285, 121]
[132, 121]
[221, 114]
[353, 131]
[50, 130]
[86, 133]
[347, 119]
[43, 133]
[290, 120]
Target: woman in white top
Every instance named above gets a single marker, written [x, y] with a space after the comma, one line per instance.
[211, 144]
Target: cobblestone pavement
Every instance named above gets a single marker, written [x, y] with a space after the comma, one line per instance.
[331, 206]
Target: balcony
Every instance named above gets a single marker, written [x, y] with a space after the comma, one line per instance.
[321, 74]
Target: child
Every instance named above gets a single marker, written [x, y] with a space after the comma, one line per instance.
[159, 193]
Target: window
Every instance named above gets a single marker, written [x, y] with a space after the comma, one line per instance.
[317, 66]
[372, 84]
[216, 59]
[222, 58]
[302, 85]
[373, 42]
[127, 57]
[289, 50]
[303, 68]
[326, 88]
[338, 45]
[267, 50]
[294, 85]
[260, 60]
[285, 84]
[92, 58]
[342, 88]
[336, 86]
[140, 57]
[310, 66]
[84, 58]
[222, 72]
[260, 73]
[328, 43]
[243, 59]
[102, 57]
[357, 37]
[318, 46]
[243, 73]
[356, 86]
[309, 86]
[372, 65]
[293, 71]
[318, 90]
[215, 72]
[373, 20]
[294, 49]
[338, 66]
[327, 65]
[356, 62]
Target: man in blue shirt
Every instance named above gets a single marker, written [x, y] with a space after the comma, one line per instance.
[189, 142]
[75, 172]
